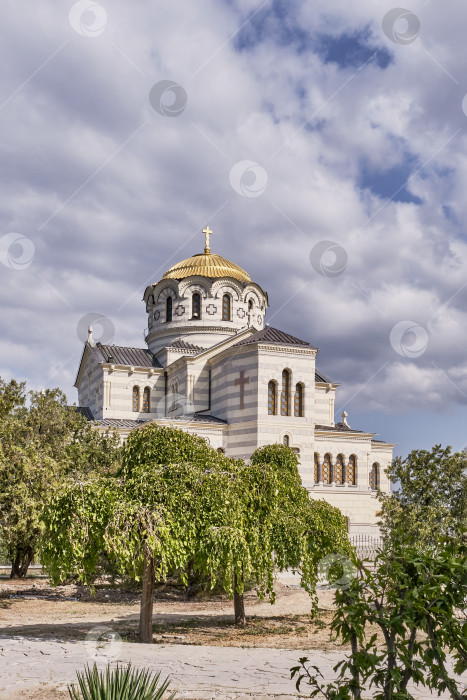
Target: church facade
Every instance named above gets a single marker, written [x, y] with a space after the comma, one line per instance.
[211, 366]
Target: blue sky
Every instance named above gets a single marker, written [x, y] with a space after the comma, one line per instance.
[282, 125]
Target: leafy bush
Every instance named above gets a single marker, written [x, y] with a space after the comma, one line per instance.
[119, 684]
[416, 600]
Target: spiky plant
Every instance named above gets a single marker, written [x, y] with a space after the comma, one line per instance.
[120, 683]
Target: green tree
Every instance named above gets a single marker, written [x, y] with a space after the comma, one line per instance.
[431, 500]
[415, 599]
[40, 444]
[176, 503]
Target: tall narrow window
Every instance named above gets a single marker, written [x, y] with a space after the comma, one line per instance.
[352, 470]
[339, 470]
[286, 440]
[374, 476]
[196, 305]
[285, 393]
[146, 399]
[326, 469]
[316, 472]
[226, 307]
[250, 306]
[135, 399]
[298, 401]
[168, 309]
[272, 398]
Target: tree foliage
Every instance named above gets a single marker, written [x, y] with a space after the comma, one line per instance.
[415, 598]
[40, 445]
[178, 503]
[431, 500]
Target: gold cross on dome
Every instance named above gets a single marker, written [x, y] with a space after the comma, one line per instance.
[207, 232]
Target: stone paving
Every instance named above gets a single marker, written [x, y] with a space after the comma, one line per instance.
[197, 672]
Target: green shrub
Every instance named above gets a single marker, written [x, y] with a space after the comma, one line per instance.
[119, 684]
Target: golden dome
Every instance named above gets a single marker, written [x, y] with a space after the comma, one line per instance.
[207, 264]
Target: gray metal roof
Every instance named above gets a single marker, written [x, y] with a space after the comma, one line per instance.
[118, 355]
[275, 337]
[134, 423]
[320, 377]
[185, 346]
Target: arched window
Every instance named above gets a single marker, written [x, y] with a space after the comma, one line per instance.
[285, 408]
[146, 399]
[196, 305]
[286, 440]
[316, 472]
[250, 305]
[221, 450]
[298, 401]
[168, 309]
[226, 316]
[352, 470]
[374, 476]
[339, 470]
[135, 399]
[272, 398]
[326, 469]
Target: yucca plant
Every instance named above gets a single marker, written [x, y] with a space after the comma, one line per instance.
[120, 683]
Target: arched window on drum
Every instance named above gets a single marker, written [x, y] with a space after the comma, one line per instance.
[168, 309]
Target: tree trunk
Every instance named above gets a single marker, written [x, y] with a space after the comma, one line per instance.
[20, 564]
[147, 599]
[239, 605]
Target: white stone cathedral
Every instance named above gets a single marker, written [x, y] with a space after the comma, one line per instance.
[212, 367]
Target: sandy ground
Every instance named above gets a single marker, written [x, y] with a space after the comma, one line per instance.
[286, 624]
